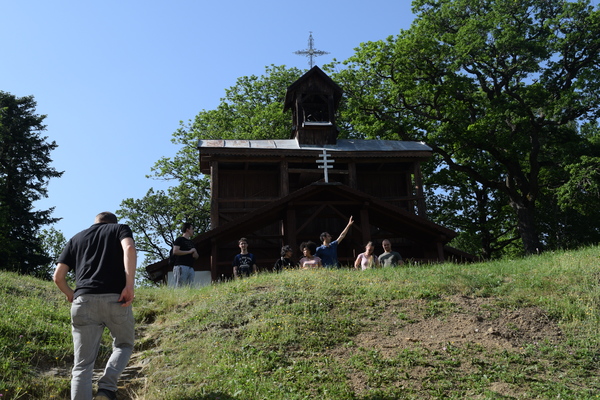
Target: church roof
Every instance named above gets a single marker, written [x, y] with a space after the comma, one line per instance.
[344, 148]
[354, 145]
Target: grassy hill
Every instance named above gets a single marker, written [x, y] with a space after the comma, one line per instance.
[511, 329]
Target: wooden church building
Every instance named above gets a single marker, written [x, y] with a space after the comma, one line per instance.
[285, 192]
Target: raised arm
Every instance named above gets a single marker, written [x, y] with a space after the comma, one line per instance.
[345, 231]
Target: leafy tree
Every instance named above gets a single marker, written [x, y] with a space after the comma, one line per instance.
[496, 87]
[582, 190]
[157, 217]
[483, 220]
[251, 109]
[53, 242]
[570, 204]
[24, 173]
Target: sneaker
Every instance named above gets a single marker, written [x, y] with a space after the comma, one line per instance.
[105, 394]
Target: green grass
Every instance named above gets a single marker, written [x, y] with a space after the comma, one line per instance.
[34, 336]
[320, 334]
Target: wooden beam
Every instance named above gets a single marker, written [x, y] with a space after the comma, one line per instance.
[225, 218]
[214, 265]
[313, 216]
[317, 203]
[365, 224]
[214, 194]
[440, 250]
[248, 200]
[290, 232]
[284, 178]
[316, 171]
[421, 208]
[353, 180]
[338, 212]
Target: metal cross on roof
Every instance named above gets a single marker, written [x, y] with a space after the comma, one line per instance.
[325, 166]
[311, 52]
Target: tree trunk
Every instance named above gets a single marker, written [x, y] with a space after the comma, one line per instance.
[527, 227]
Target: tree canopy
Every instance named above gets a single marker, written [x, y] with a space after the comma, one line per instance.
[499, 89]
[53, 242]
[25, 169]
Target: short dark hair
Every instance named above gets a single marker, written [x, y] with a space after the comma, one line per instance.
[242, 240]
[323, 235]
[185, 226]
[285, 249]
[310, 246]
[107, 217]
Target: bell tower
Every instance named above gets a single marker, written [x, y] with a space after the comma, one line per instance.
[314, 99]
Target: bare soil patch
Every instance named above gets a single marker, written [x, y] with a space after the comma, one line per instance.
[461, 321]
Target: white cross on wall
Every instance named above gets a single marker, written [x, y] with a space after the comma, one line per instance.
[325, 165]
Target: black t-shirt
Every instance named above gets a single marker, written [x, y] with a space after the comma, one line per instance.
[184, 245]
[244, 261]
[96, 256]
[283, 263]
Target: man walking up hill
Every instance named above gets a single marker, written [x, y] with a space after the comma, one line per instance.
[104, 260]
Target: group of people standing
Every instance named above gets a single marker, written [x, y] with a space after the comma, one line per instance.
[244, 263]
[313, 256]
[325, 255]
[368, 259]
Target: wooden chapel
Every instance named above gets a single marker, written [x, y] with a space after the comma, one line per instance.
[285, 192]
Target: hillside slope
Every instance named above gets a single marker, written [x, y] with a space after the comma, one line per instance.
[515, 329]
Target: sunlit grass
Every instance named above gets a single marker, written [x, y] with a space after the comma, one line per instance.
[34, 336]
[281, 336]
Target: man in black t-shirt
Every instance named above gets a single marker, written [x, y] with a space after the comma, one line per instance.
[103, 258]
[285, 261]
[185, 253]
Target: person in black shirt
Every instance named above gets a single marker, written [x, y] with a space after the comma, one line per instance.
[285, 262]
[185, 254]
[104, 259]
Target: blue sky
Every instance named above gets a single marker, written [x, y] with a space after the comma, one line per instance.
[115, 78]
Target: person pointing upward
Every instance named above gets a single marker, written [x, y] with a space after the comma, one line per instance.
[327, 252]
